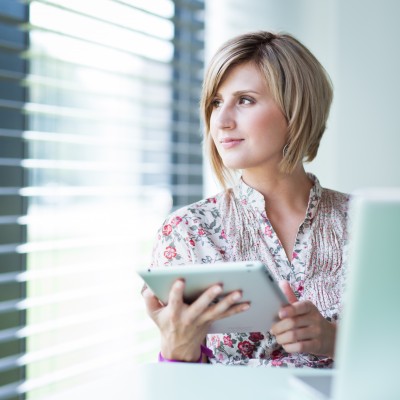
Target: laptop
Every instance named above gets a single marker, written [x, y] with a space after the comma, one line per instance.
[368, 343]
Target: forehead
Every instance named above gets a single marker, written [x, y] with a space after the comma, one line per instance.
[245, 76]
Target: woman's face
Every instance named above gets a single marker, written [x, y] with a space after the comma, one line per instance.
[247, 126]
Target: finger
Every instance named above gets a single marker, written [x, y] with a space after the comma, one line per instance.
[203, 302]
[288, 324]
[295, 335]
[305, 346]
[288, 291]
[318, 343]
[235, 309]
[231, 304]
[227, 302]
[143, 288]
[175, 298]
[151, 301]
[296, 309]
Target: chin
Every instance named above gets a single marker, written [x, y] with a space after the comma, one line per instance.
[235, 165]
[238, 163]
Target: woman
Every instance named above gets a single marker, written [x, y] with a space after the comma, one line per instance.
[265, 103]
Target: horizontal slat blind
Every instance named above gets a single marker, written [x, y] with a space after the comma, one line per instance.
[99, 138]
[12, 206]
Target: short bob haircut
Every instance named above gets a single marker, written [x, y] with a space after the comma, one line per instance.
[297, 81]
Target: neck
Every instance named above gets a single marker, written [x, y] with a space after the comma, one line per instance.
[290, 190]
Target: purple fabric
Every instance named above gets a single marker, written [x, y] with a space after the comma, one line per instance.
[204, 350]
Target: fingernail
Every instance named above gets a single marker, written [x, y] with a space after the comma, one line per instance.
[178, 284]
[147, 292]
[283, 314]
[236, 296]
[217, 289]
[144, 288]
[245, 307]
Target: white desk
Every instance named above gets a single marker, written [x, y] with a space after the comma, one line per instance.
[192, 381]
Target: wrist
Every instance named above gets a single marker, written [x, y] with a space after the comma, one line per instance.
[161, 358]
[182, 353]
[185, 351]
[202, 350]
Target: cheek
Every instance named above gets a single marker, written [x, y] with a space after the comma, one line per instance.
[212, 122]
[279, 120]
[213, 130]
[274, 122]
[210, 139]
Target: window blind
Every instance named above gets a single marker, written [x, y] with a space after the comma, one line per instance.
[99, 138]
[12, 206]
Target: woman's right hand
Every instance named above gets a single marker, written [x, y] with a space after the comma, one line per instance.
[184, 327]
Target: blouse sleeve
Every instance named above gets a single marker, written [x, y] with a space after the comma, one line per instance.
[172, 245]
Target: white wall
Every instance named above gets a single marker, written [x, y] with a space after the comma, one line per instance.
[358, 43]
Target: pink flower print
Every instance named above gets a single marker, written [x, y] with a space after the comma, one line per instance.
[268, 231]
[176, 221]
[256, 336]
[244, 202]
[166, 230]
[246, 348]
[215, 341]
[300, 287]
[192, 242]
[276, 355]
[295, 255]
[223, 234]
[212, 200]
[201, 232]
[228, 341]
[170, 252]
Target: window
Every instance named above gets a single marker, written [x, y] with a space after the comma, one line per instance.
[99, 138]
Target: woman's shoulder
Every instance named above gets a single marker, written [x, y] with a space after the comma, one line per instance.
[336, 201]
[335, 195]
[187, 233]
[204, 208]
[199, 216]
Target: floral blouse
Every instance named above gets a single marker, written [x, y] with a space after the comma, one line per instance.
[234, 226]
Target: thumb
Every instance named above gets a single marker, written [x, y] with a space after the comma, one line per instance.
[288, 291]
[151, 301]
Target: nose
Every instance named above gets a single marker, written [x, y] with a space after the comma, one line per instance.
[224, 117]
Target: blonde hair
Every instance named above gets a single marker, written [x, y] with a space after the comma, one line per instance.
[297, 81]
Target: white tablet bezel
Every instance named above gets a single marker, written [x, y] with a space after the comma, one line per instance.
[251, 277]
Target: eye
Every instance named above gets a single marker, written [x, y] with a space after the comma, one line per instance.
[246, 100]
[216, 103]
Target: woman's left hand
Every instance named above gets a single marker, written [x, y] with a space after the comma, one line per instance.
[302, 328]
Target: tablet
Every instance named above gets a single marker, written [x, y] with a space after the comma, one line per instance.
[252, 278]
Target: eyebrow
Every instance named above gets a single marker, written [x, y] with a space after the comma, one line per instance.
[240, 92]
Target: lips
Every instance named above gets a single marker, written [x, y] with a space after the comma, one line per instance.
[228, 143]
[227, 140]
